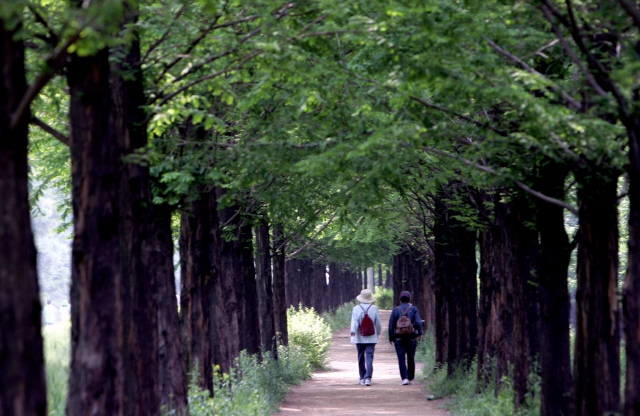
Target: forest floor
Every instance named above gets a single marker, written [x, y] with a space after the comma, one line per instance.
[337, 391]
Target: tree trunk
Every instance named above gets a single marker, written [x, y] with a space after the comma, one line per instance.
[597, 346]
[196, 286]
[526, 322]
[22, 379]
[250, 327]
[172, 379]
[279, 294]
[229, 285]
[380, 281]
[96, 315]
[631, 289]
[555, 253]
[487, 310]
[139, 273]
[455, 268]
[265, 290]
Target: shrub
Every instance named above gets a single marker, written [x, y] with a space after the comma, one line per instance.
[466, 397]
[339, 318]
[311, 333]
[255, 388]
[384, 298]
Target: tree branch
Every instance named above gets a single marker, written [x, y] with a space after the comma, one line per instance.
[290, 256]
[448, 111]
[597, 88]
[164, 36]
[515, 181]
[247, 58]
[632, 11]
[47, 128]
[575, 103]
[53, 63]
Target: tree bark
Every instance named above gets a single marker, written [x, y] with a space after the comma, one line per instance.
[22, 378]
[96, 378]
[229, 284]
[250, 327]
[265, 289]
[487, 310]
[555, 253]
[597, 346]
[279, 294]
[196, 286]
[631, 289]
[139, 273]
[172, 379]
[455, 268]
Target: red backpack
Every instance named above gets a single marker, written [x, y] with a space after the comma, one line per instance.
[366, 326]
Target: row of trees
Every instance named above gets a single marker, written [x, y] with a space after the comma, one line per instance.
[347, 131]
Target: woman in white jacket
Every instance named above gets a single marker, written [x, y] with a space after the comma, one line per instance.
[366, 344]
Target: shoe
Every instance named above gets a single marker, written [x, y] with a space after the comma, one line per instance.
[405, 382]
[367, 381]
[410, 382]
[361, 382]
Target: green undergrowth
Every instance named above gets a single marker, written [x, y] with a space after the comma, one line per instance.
[384, 298]
[466, 397]
[255, 387]
[312, 332]
[259, 389]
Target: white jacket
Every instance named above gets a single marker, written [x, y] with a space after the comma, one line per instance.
[356, 317]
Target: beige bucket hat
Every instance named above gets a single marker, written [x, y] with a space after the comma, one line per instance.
[366, 296]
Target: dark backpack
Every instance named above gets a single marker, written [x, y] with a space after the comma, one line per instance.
[366, 326]
[404, 325]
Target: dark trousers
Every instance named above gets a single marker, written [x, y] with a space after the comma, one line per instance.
[406, 346]
[365, 359]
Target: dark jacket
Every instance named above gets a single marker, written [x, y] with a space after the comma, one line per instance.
[413, 314]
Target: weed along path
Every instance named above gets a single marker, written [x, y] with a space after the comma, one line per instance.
[337, 391]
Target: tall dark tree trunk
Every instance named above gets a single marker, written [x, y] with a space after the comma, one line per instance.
[279, 294]
[526, 321]
[96, 316]
[196, 286]
[487, 309]
[172, 378]
[387, 282]
[555, 253]
[503, 269]
[265, 289]
[597, 346]
[455, 269]
[113, 273]
[139, 273]
[380, 281]
[333, 285]
[250, 327]
[631, 289]
[229, 285]
[22, 380]
[319, 287]
[429, 316]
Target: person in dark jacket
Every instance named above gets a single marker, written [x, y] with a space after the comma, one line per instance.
[405, 344]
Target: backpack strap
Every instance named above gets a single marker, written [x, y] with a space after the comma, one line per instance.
[406, 311]
[367, 310]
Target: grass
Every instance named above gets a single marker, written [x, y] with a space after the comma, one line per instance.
[255, 387]
[466, 397]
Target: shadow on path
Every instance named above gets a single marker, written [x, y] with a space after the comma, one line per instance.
[337, 391]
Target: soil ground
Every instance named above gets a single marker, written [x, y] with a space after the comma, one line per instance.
[337, 391]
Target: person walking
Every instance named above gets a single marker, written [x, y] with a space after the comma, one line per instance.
[50, 314]
[365, 327]
[405, 327]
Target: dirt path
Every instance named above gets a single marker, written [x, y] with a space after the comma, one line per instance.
[337, 391]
